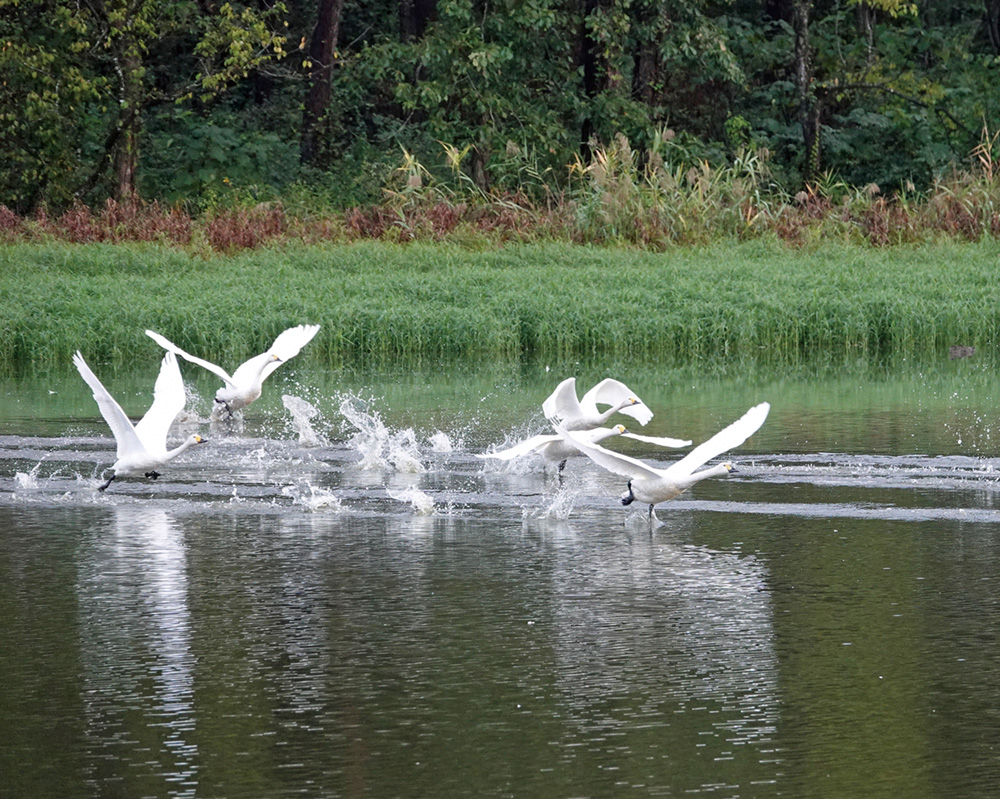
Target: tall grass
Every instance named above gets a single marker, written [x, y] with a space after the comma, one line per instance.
[655, 199]
[382, 303]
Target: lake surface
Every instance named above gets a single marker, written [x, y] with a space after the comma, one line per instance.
[353, 604]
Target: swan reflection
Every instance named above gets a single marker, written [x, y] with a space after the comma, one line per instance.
[138, 663]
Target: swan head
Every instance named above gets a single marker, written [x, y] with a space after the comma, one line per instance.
[196, 439]
[619, 429]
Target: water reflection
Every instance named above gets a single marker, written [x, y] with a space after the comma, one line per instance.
[666, 651]
[137, 660]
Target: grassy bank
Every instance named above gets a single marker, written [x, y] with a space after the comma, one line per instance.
[381, 303]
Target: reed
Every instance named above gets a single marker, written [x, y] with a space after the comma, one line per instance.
[382, 304]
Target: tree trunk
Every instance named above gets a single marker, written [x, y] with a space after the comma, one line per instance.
[588, 64]
[803, 77]
[991, 21]
[414, 16]
[125, 148]
[865, 16]
[322, 46]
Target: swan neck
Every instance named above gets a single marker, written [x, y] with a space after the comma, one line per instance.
[704, 474]
[173, 453]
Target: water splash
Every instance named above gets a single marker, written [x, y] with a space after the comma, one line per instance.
[422, 503]
[381, 448]
[440, 442]
[312, 498]
[27, 481]
[559, 506]
[302, 413]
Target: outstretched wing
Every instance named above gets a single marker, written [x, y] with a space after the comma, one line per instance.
[171, 347]
[520, 449]
[612, 461]
[676, 443]
[125, 436]
[613, 392]
[287, 345]
[168, 401]
[727, 438]
[562, 403]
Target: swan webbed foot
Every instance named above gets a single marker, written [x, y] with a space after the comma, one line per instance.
[152, 475]
[628, 497]
[105, 486]
[224, 404]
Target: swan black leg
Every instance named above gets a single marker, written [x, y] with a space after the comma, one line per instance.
[225, 404]
[105, 486]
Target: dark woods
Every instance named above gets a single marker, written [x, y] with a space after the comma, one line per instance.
[336, 104]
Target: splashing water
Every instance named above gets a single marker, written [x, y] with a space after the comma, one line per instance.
[302, 412]
[422, 503]
[440, 442]
[381, 448]
[311, 497]
[27, 480]
[560, 507]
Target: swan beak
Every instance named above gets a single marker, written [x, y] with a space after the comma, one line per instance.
[732, 469]
[200, 440]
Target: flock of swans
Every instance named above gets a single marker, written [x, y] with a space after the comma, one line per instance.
[577, 423]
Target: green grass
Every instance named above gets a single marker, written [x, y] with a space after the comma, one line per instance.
[381, 304]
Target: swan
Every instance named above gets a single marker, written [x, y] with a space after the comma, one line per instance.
[554, 449]
[650, 485]
[244, 386]
[142, 449]
[563, 408]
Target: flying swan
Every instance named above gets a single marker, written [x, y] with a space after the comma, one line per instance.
[649, 485]
[554, 449]
[563, 408]
[244, 386]
[142, 449]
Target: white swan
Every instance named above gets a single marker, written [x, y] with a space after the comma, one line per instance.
[244, 386]
[651, 485]
[563, 408]
[142, 449]
[554, 449]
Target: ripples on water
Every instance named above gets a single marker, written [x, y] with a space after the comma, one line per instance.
[345, 607]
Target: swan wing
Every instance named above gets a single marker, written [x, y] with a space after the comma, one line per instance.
[676, 443]
[612, 461]
[727, 438]
[168, 401]
[171, 347]
[562, 403]
[522, 448]
[613, 392]
[287, 345]
[125, 436]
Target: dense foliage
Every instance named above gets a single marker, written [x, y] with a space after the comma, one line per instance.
[317, 101]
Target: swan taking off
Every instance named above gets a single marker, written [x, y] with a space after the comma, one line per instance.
[142, 449]
[554, 449]
[244, 386]
[563, 408]
[649, 485]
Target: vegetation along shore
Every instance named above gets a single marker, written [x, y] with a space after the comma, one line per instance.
[380, 303]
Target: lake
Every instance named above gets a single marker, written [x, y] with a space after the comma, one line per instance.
[336, 598]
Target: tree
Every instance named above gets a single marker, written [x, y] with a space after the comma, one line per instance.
[87, 71]
[322, 52]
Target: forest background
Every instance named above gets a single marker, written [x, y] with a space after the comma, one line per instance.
[650, 121]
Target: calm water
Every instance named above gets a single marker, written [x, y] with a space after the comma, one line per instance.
[354, 605]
